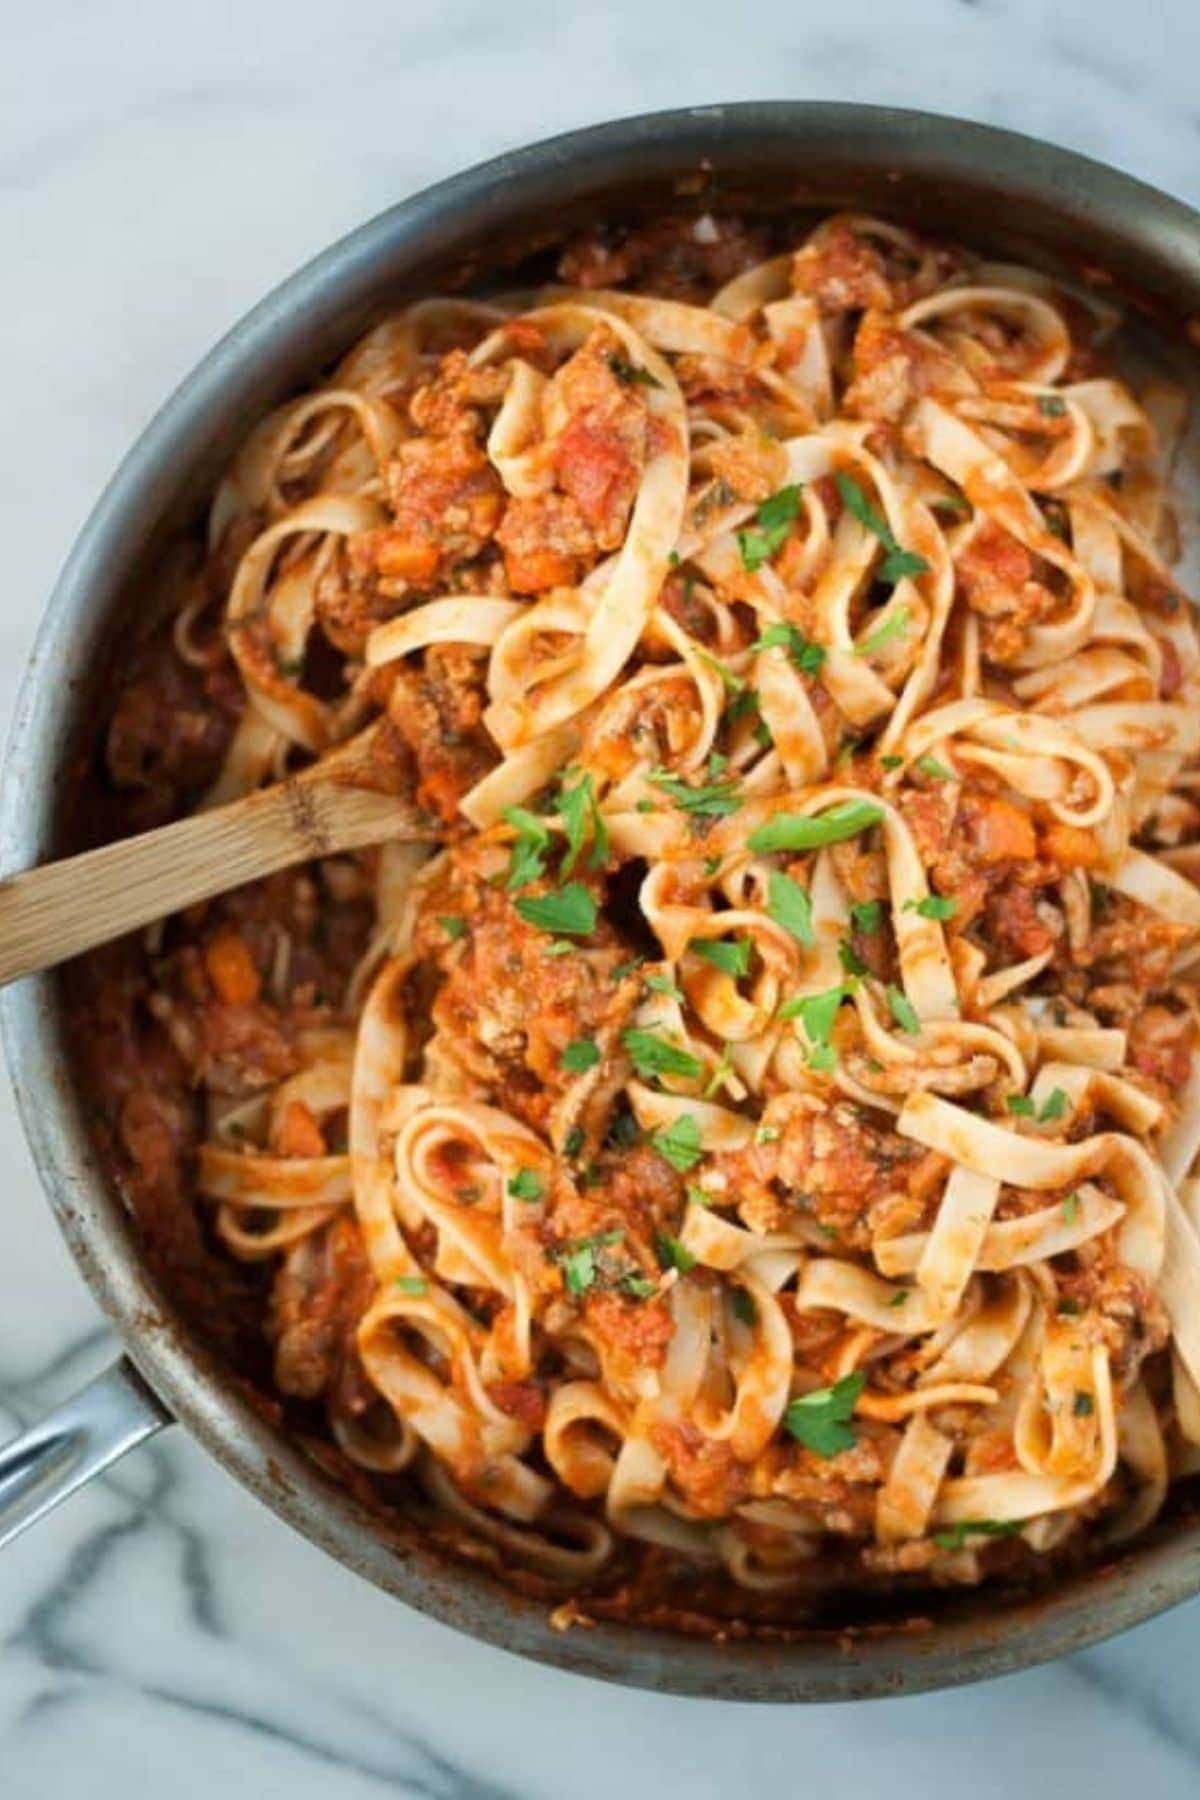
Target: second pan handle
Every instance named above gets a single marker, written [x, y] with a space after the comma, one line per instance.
[45, 1464]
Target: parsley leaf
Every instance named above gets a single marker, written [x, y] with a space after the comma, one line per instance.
[572, 911]
[1052, 406]
[662, 984]
[790, 905]
[527, 860]
[903, 1011]
[629, 372]
[743, 1306]
[894, 627]
[898, 562]
[849, 958]
[679, 1143]
[411, 1284]
[955, 1536]
[817, 1013]
[1053, 1107]
[672, 1254]
[759, 542]
[526, 1184]
[1070, 1208]
[453, 925]
[821, 1420]
[711, 800]
[730, 955]
[578, 1261]
[934, 906]
[798, 831]
[580, 811]
[808, 657]
[937, 771]
[1021, 1105]
[580, 1055]
[653, 1056]
[1083, 1406]
[867, 916]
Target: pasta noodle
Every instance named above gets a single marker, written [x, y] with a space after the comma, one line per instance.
[762, 1132]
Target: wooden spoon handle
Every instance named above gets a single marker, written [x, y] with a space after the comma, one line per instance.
[55, 912]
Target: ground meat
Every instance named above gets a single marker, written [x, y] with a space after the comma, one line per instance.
[704, 1471]
[998, 579]
[446, 499]
[683, 258]
[1132, 1321]
[323, 1287]
[438, 711]
[168, 733]
[842, 271]
[638, 1330]
[507, 1011]
[546, 542]
[455, 401]
[1160, 1047]
[600, 452]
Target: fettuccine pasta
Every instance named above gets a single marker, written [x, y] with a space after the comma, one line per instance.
[758, 1139]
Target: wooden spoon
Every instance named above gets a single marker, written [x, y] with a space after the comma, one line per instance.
[55, 912]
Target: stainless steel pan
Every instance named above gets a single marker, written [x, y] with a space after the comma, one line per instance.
[1009, 194]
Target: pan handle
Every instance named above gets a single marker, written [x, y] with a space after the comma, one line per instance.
[77, 1440]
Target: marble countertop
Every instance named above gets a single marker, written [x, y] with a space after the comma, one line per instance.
[160, 168]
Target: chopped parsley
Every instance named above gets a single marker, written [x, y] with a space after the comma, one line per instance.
[453, 925]
[867, 916]
[1084, 1406]
[653, 1056]
[790, 905]
[799, 831]
[662, 984]
[672, 1254]
[759, 542]
[903, 1011]
[743, 1306]
[1068, 1308]
[578, 1260]
[1052, 406]
[936, 771]
[629, 372]
[411, 1284]
[679, 1143]
[891, 762]
[808, 657]
[730, 955]
[526, 1184]
[1053, 1107]
[817, 1014]
[580, 1055]
[849, 958]
[637, 1286]
[1021, 1105]
[698, 1195]
[894, 627]
[1070, 1208]
[898, 562]
[934, 906]
[821, 1420]
[580, 812]
[573, 1142]
[709, 800]
[527, 859]
[571, 911]
[955, 1536]
[899, 1297]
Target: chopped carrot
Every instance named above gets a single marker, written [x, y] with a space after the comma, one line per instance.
[1002, 832]
[231, 968]
[297, 1132]
[1070, 846]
